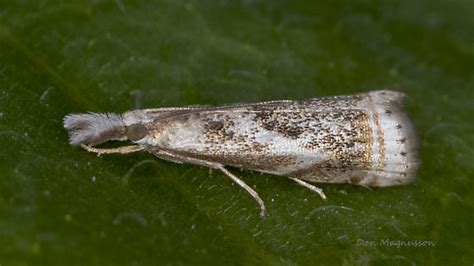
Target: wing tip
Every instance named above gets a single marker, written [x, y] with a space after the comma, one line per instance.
[400, 157]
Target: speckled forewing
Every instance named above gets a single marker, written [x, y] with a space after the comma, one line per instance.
[315, 139]
[365, 139]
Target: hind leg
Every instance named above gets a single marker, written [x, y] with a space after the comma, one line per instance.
[309, 186]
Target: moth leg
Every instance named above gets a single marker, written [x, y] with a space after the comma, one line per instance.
[122, 150]
[247, 188]
[179, 158]
[308, 185]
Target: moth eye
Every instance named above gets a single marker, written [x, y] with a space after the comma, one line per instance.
[136, 132]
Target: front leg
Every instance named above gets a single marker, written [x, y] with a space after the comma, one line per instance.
[121, 150]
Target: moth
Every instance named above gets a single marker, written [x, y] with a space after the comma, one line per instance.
[364, 139]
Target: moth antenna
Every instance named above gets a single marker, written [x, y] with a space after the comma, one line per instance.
[94, 128]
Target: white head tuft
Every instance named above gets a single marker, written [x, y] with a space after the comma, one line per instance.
[94, 128]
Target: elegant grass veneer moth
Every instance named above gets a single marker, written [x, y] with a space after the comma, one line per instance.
[365, 139]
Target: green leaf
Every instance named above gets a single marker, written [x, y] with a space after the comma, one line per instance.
[60, 205]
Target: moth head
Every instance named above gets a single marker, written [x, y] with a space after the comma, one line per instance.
[136, 132]
[95, 128]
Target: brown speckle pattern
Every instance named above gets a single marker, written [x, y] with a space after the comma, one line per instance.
[332, 139]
